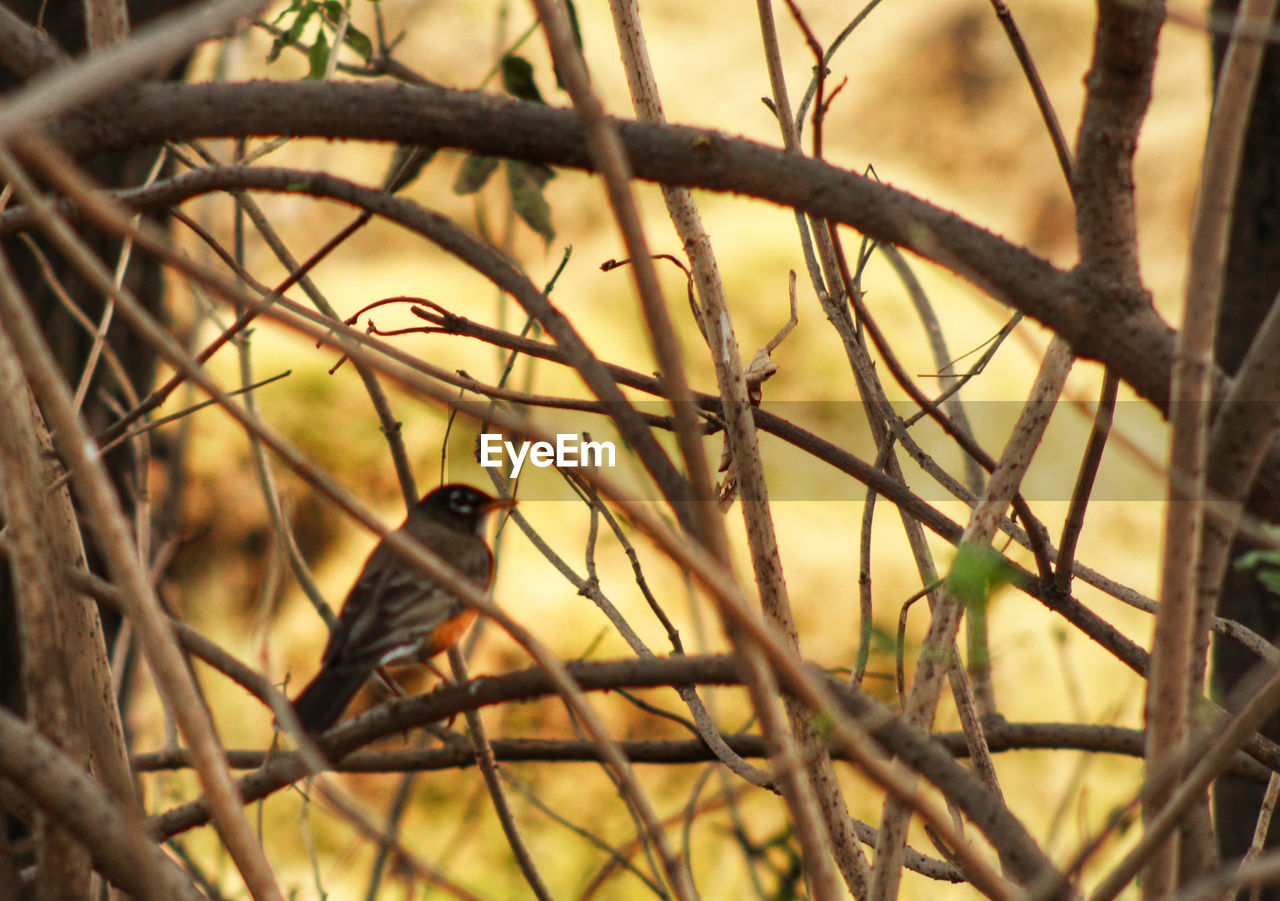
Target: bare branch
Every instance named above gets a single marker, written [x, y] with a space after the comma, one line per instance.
[1132, 339]
[1119, 89]
[116, 839]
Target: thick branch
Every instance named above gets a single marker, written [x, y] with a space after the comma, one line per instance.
[1100, 320]
[1128, 336]
[414, 217]
[1000, 737]
[1119, 83]
[897, 737]
[25, 49]
[82, 805]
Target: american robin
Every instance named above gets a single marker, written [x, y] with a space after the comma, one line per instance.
[395, 612]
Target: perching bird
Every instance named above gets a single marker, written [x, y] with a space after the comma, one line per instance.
[395, 612]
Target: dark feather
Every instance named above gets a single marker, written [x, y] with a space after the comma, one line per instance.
[394, 611]
[322, 701]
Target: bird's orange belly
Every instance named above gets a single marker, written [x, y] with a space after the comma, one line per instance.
[447, 634]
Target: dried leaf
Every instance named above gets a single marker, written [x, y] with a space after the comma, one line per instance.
[757, 373]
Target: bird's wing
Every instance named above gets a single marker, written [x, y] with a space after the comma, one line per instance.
[391, 610]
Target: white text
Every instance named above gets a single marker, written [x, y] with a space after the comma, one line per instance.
[569, 451]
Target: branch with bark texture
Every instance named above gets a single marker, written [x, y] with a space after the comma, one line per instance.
[1099, 321]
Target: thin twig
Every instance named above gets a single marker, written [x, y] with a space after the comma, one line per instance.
[396, 208]
[377, 396]
[1066, 302]
[158, 397]
[422, 870]
[1080, 493]
[816, 802]
[615, 855]
[100, 334]
[934, 660]
[1047, 114]
[1181, 642]
[942, 359]
[693, 505]
[501, 806]
[1204, 760]
[112, 532]
[411, 549]
[591, 589]
[892, 734]
[723, 591]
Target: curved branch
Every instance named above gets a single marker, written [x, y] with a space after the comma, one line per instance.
[80, 804]
[414, 217]
[1001, 737]
[894, 734]
[1119, 84]
[1099, 320]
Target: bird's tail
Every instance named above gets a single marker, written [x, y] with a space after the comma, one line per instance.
[322, 701]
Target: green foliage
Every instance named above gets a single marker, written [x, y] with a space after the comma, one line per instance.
[821, 724]
[1265, 565]
[358, 41]
[525, 181]
[527, 198]
[328, 14]
[407, 164]
[517, 78]
[302, 11]
[977, 573]
[475, 171]
[780, 855]
[318, 57]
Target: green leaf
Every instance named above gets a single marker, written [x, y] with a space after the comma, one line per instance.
[475, 171]
[406, 165]
[821, 725]
[293, 33]
[359, 42]
[318, 56]
[303, 12]
[1265, 565]
[1256, 558]
[976, 573]
[539, 173]
[517, 78]
[577, 38]
[333, 10]
[573, 21]
[528, 201]
[293, 8]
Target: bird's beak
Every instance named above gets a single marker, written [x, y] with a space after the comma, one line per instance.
[500, 503]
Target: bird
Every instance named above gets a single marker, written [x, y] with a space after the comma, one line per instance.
[397, 613]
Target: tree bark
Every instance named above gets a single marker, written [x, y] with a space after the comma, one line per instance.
[65, 24]
[1251, 285]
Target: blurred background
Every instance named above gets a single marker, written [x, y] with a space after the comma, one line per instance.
[932, 100]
